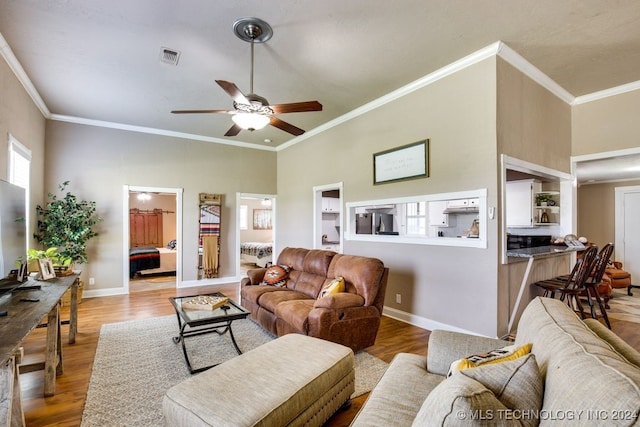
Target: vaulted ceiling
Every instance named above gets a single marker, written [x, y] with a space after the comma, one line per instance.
[100, 61]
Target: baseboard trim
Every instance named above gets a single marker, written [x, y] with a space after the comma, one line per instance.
[422, 322]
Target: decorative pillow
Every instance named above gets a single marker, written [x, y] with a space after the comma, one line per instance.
[504, 394]
[456, 401]
[333, 287]
[517, 384]
[503, 354]
[276, 275]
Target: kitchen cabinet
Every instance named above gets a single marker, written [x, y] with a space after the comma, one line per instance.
[330, 205]
[436, 216]
[458, 203]
[520, 202]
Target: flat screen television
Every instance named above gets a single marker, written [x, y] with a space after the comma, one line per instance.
[13, 232]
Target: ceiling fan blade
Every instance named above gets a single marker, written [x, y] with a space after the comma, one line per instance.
[203, 111]
[233, 91]
[287, 127]
[233, 130]
[296, 107]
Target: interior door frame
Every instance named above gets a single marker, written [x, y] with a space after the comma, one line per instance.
[239, 197]
[126, 189]
[317, 213]
[619, 219]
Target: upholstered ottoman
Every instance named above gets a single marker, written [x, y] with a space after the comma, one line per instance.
[290, 381]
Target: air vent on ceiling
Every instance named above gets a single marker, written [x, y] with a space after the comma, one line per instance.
[169, 56]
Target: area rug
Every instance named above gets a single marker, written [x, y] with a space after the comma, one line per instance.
[137, 361]
[625, 307]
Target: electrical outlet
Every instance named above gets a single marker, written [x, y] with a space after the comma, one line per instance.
[398, 299]
[92, 281]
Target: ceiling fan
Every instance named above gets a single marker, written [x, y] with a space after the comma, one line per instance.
[252, 111]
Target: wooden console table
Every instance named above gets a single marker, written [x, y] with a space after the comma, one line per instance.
[23, 317]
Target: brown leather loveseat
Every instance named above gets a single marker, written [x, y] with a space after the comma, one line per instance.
[350, 318]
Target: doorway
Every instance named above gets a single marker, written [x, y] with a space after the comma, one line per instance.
[328, 217]
[627, 229]
[152, 237]
[256, 219]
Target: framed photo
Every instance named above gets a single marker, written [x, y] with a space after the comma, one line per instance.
[262, 219]
[46, 269]
[23, 272]
[409, 161]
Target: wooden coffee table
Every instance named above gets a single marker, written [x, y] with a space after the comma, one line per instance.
[198, 322]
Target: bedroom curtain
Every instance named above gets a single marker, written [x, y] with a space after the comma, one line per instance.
[209, 235]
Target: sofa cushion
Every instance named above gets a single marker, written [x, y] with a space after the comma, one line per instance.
[332, 287]
[253, 293]
[339, 300]
[295, 313]
[399, 394]
[581, 371]
[503, 393]
[270, 300]
[276, 275]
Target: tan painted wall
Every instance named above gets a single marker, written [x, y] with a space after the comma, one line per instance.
[99, 161]
[454, 286]
[21, 118]
[596, 211]
[606, 124]
[535, 126]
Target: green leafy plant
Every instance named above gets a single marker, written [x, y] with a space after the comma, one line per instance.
[51, 253]
[67, 224]
[542, 198]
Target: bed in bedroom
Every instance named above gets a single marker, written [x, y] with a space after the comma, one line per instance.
[151, 261]
[256, 253]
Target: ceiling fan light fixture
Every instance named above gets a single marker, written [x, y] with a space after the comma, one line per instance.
[250, 121]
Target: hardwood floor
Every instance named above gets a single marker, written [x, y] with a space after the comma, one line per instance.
[65, 408]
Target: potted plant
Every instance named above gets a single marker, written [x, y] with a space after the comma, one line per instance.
[59, 262]
[66, 224]
[542, 199]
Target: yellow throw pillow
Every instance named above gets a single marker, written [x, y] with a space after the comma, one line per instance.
[333, 287]
[503, 354]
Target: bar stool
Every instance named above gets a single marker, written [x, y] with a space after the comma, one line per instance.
[575, 282]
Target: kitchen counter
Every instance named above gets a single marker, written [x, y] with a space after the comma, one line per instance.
[542, 251]
[543, 262]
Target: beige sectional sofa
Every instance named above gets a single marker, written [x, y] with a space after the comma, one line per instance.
[587, 376]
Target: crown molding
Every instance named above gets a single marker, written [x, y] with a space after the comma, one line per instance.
[155, 131]
[21, 75]
[531, 71]
[618, 90]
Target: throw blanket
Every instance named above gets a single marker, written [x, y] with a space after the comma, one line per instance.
[210, 256]
[259, 250]
[143, 259]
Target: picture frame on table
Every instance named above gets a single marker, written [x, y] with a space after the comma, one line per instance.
[45, 266]
[23, 272]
